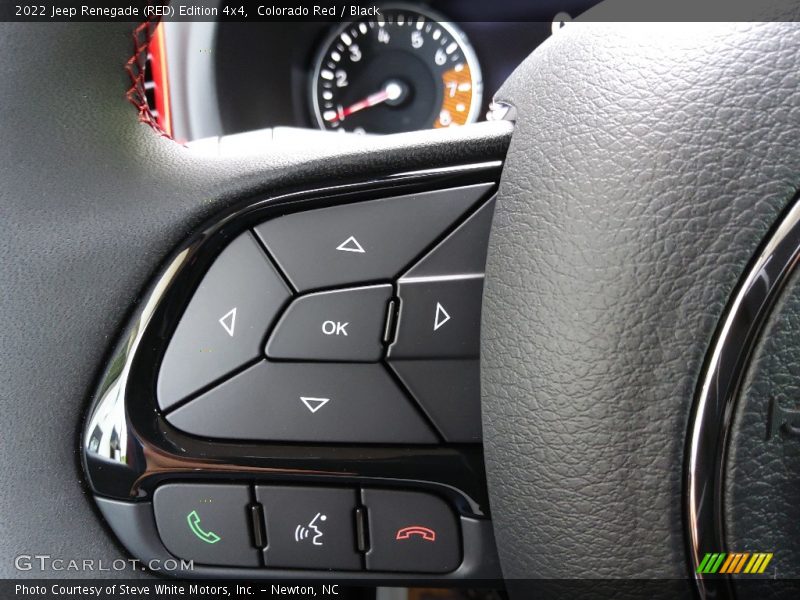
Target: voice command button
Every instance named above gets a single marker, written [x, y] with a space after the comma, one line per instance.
[309, 527]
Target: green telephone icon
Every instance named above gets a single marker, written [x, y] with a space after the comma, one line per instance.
[209, 537]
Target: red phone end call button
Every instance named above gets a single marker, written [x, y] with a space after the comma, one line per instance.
[411, 532]
[425, 533]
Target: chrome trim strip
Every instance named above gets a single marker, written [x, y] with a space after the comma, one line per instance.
[713, 410]
[426, 278]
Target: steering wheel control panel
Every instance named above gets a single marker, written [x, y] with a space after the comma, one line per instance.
[302, 331]
[299, 390]
[308, 527]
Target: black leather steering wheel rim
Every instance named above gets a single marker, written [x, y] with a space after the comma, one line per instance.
[644, 171]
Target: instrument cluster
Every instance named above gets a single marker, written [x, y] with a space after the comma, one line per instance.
[412, 66]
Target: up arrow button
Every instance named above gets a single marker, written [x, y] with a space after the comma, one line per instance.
[363, 242]
[351, 245]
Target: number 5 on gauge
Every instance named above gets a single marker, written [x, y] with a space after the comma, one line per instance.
[208, 537]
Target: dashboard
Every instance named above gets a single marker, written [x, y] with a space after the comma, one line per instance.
[414, 66]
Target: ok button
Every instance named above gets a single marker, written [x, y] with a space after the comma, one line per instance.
[340, 326]
[334, 328]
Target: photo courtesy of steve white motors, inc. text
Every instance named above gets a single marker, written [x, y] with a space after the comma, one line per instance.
[139, 590]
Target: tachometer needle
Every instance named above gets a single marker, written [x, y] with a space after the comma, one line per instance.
[392, 91]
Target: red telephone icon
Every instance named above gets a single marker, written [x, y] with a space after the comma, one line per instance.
[429, 535]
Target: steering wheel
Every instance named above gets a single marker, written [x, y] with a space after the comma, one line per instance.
[647, 175]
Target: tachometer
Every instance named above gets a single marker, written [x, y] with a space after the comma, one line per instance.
[400, 71]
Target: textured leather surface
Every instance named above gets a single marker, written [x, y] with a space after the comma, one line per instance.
[91, 202]
[647, 164]
[762, 495]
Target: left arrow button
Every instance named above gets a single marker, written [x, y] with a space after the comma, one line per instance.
[228, 321]
[225, 322]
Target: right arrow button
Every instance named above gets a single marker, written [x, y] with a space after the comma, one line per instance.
[440, 296]
[439, 318]
[437, 337]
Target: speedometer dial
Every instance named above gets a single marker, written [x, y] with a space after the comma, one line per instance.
[400, 71]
